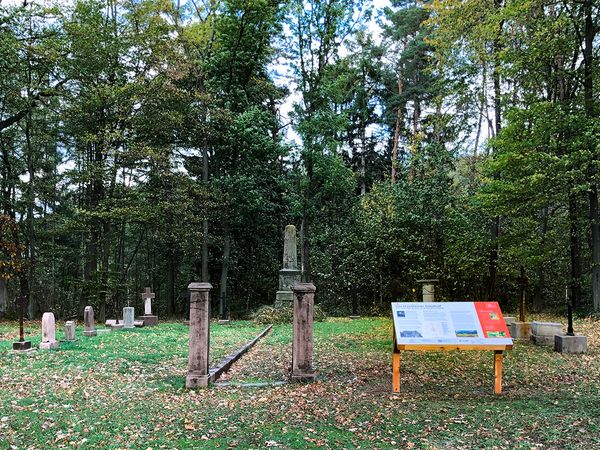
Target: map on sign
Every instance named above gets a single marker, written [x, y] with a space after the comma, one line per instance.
[478, 323]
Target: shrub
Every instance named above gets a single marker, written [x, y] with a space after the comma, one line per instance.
[284, 314]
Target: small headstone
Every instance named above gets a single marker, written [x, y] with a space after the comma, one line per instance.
[89, 326]
[70, 331]
[49, 341]
[148, 318]
[128, 317]
[289, 275]
[21, 345]
[542, 333]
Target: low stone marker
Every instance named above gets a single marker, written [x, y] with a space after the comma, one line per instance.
[302, 350]
[21, 345]
[571, 342]
[49, 341]
[148, 318]
[70, 331]
[542, 333]
[128, 317]
[509, 319]
[198, 371]
[89, 326]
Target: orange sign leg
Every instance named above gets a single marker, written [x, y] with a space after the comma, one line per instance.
[396, 371]
[497, 371]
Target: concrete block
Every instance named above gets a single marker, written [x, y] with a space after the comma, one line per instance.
[509, 319]
[546, 328]
[520, 330]
[570, 344]
[542, 340]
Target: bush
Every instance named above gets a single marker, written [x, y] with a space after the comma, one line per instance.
[284, 314]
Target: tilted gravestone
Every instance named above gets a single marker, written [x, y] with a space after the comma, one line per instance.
[302, 349]
[49, 341]
[89, 326]
[289, 275]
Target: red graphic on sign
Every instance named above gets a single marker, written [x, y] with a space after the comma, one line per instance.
[491, 320]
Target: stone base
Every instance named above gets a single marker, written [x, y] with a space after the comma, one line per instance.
[149, 321]
[224, 321]
[186, 323]
[193, 381]
[49, 345]
[570, 344]
[509, 319]
[90, 333]
[303, 377]
[520, 330]
[138, 323]
[542, 340]
[117, 326]
[22, 346]
[355, 317]
[68, 340]
[284, 298]
[103, 330]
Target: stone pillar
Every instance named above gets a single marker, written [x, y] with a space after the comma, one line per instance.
[128, 317]
[198, 375]
[49, 341]
[428, 290]
[302, 349]
[289, 274]
[69, 330]
[89, 327]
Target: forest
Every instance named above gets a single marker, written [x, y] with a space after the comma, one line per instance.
[160, 142]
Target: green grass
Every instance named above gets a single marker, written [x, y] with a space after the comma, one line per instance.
[125, 390]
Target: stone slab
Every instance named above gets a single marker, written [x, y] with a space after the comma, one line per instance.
[117, 326]
[90, 333]
[546, 329]
[22, 346]
[103, 330]
[284, 298]
[547, 341]
[224, 322]
[149, 321]
[49, 345]
[570, 344]
[509, 319]
[304, 377]
[138, 323]
[520, 330]
[355, 317]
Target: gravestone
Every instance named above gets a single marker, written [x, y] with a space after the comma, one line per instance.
[428, 289]
[21, 345]
[70, 331]
[148, 318]
[542, 333]
[302, 347]
[289, 275]
[198, 371]
[49, 341]
[89, 327]
[129, 317]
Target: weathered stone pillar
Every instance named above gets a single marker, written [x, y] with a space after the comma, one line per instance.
[198, 375]
[70, 330]
[128, 317]
[89, 327]
[302, 350]
[428, 289]
[289, 274]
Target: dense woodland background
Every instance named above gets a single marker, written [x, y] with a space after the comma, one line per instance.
[147, 143]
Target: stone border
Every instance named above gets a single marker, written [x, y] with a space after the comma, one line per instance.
[224, 365]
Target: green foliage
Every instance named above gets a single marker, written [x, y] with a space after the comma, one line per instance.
[284, 314]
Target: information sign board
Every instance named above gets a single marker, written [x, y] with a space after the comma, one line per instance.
[450, 323]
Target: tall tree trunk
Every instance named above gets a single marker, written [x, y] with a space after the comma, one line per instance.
[205, 276]
[538, 290]
[171, 281]
[398, 125]
[225, 265]
[588, 85]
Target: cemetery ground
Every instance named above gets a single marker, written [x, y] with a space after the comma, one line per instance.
[125, 390]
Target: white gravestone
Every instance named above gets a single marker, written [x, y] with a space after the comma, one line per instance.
[69, 330]
[49, 341]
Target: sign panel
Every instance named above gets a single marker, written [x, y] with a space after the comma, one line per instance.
[470, 323]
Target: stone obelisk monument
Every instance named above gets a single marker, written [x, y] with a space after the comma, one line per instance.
[289, 275]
